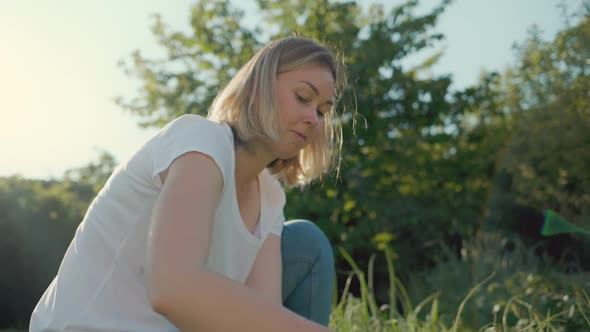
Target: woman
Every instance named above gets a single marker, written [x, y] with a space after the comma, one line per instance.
[188, 233]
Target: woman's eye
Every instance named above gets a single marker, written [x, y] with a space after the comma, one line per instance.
[321, 114]
[301, 99]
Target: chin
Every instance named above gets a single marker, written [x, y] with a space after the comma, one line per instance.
[287, 154]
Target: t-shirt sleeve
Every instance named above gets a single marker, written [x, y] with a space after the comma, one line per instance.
[190, 133]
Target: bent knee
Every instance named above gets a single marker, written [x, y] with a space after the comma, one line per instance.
[308, 235]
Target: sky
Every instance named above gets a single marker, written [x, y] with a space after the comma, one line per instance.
[59, 73]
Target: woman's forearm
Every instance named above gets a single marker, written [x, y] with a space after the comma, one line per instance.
[202, 300]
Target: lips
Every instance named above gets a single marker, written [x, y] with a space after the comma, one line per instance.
[302, 137]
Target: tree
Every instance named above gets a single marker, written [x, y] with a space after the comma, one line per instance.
[549, 154]
[398, 163]
[95, 173]
[545, 164]
[38, 221]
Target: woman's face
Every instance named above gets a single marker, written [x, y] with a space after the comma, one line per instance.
[304, 95]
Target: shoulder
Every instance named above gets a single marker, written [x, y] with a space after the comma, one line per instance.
[198, 133]
[197, 125]
[194, 133]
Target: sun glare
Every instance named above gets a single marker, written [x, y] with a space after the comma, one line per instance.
[38, 88]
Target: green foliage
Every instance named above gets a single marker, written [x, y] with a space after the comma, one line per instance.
[510, 300]
[196, 66]
[37, 223]
[544, 160]
[95, 173]
[548, 156]
[523, 279]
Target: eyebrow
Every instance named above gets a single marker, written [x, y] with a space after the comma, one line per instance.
[317, 92]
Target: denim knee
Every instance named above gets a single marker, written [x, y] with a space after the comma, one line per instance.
[308, 271]
[309, 240]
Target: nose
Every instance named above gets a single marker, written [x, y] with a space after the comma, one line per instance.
[311, 116]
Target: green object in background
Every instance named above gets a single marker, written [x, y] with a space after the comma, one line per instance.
[556, 224]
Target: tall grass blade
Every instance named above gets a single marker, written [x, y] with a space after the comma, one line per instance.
[367, 299]
[582, 310]
[469, 295]
[392, 287]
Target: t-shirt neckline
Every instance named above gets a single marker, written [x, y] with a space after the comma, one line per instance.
[234, 198]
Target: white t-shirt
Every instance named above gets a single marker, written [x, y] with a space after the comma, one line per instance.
[100, 283]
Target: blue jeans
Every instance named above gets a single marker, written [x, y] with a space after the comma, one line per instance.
[308, 271]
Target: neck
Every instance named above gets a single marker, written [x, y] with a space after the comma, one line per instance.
[251, 160]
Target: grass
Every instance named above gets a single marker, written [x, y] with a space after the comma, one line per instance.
[518, 312]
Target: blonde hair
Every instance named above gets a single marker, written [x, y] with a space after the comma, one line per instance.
[248, 107]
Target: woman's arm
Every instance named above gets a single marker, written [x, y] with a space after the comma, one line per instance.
[180, 288]
[266, 273]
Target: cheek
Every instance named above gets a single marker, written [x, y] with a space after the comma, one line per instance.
[284, 98]
[287, 108]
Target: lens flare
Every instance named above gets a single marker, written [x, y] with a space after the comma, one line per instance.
[556, 224]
